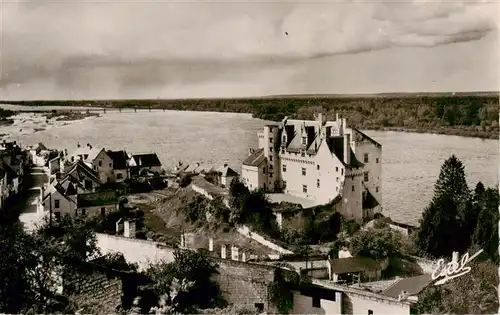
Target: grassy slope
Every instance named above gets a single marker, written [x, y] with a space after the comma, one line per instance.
[464, 114]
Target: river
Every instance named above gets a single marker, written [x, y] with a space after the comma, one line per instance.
[411, 161]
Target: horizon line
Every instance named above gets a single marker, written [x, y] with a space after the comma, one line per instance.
[278, 96]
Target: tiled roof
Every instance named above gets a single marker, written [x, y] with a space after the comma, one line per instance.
[80, 165]
[119, 159]
[412, 285]
[255, 159]
[11, 174]
[367, 137]
[369, 202]
[354, 264]
[226, 171]
[97, 199]
[146, 160]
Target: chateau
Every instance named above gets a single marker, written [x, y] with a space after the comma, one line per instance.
[320, 162]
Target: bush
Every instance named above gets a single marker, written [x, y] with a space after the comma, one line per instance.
[376, 243]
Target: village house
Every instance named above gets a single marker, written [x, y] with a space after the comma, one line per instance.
[355, 269]
[82, 153]
[317, 161]
[60, 201]
[221, 176]
[84, 178]
[148, 162]
[111, 166]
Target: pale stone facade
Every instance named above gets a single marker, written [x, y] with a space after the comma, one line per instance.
[318, 160]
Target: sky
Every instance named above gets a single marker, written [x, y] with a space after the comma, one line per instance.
[110, 49]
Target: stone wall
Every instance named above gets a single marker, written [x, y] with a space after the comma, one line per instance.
[245, 230]
[244, 284]
[94, 290]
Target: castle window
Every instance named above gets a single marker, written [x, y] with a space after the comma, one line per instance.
[341, 171]
[336, 168]
[304, 189]
[352, 187]
[284, 184]
[370, 312]
[270, 140]
[271, 158]
[316, 302]
[337, 179]
[317, 167]
[317, 183]
[366, 158]
[284, 168]
[259, 307]
[302, 154]
[270, 175]
[270, 149]
[303, 171]
[376, 189]
[365, 177]
[376, 160]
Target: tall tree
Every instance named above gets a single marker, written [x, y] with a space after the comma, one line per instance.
[486, 231]
[452, 181]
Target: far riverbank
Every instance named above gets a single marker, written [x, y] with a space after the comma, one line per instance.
[466, 115]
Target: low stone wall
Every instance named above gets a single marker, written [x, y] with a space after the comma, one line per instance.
[95, 290]
[134, 250]
[245, 231]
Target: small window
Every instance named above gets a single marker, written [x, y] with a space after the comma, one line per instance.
[259, 307]
[84, 211]
[376, 160]
[119, 176]
[336, 168]
[264, 170]
[337, 179]
[110, 165]
[376, 189]
[283, 150]
[284, 139]
[352, 187]
[365, 177]
[366, 158]
[302, 154]
[270, 140]
[284, 168]
[270, 149]
[271, 158]
[341, 171]
[304, 189]
[317, 183]
[304, 140]
[56, 203]
[284, 184]
[370, 312]
[316, 302]
[317, 167]
[270, 175]
[103, 211]
[57, 215]
[303, 171]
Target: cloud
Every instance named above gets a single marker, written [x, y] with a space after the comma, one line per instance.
[137, 44]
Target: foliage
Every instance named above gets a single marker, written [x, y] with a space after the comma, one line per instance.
[188, 266]
[457, 219]
[452, 182]
[118, 262]
[375, 243]
[281, 292]
[472, 293]
[184, 180]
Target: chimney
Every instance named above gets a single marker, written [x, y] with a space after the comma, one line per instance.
[347, 148]
[129, 229]
[119, 226]
[234, 253]
[337, 117]
[183, 240]
[344, 124]
[243, 257]
[223, 251]
[250, 151]
[211, 244]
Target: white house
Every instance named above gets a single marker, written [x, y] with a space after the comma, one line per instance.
[318, 160]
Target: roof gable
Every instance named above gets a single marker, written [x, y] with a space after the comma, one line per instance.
[146, 160]
[412, 285]
[80, 167]
[119, 159]
[255, 159]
